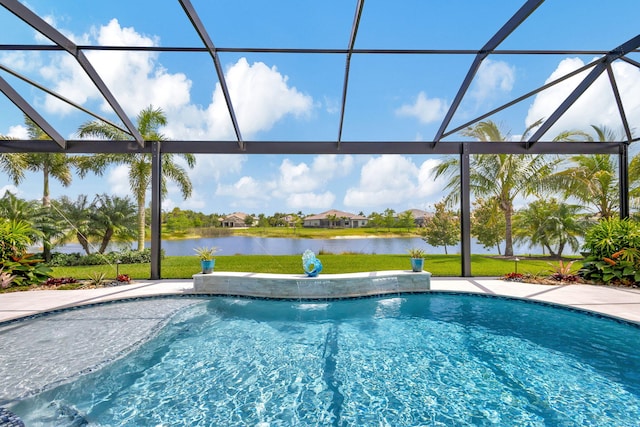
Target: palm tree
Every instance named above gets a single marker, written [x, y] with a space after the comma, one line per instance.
[112, 217]
[76, 215]
[503, 176]
[550, 224]
[593, 180]
[52, 165]
[13, 164]
[149, 121]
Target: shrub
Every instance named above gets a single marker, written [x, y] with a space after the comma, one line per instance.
[124, 257]
[562, 272]
[613, 252]
[59, 281]
[124, 278]
[27, 270]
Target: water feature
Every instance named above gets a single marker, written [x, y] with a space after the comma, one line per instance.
[244, 245]
[403, 360]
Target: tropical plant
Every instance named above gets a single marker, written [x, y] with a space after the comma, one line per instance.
[503, 176]
[613, 247]
[97, 278]
[77, 216]
[550, 224]
[28, 269]
[5, 279]
[52, 165]
[149, 122]
[563, 272]
[206, 253]
[416, 253]
[113, 217]
[15, 208]
[13, 164]
[15, 262]
[443, 228]
[15, 238]
[592, 179]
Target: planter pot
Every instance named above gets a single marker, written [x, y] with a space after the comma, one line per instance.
[417, 264]
[208, 265]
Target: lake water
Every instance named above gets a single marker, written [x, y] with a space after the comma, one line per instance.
[244, 245]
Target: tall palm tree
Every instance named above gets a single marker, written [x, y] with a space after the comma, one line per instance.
[503, 176]
[593, 178]
[149, 121]
[52, 165]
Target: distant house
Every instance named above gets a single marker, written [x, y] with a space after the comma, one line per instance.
[236, 219]
[335, 219]
[420, 217]
[290, 220]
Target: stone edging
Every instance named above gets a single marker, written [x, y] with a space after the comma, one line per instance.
[324, 286]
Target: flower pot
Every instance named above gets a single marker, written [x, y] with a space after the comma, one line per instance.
[207, 265]
[417, 264]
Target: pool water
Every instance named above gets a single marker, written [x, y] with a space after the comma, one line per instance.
[431, 359]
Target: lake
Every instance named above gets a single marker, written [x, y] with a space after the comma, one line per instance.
[245, 245]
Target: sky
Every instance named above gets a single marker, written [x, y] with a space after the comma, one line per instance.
[297, 97]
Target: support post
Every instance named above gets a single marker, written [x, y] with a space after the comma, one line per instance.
[465, 212]
[623, 179]
[156, 194]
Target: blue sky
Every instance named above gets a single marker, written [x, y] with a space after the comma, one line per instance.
[297, 97]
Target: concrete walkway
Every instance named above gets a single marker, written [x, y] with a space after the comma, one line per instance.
[623, 303]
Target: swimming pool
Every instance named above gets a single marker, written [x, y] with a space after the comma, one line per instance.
[428, 359]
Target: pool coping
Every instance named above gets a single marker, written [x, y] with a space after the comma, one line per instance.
[622, 303]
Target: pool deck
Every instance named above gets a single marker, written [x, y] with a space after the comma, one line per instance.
[623, 303]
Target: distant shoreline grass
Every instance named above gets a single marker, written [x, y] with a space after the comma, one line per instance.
[184, 267]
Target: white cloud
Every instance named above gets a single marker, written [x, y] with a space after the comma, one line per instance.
[492, 77]
[596, 106]
[9, 189]
[247, 192]
[296, 178]
[388, 178]
[261, 95]
[302, 186]
[245, 188]
[118, 180]
[18, 132]
[427, 186]
[21, 60]
[426, 110]
[392, 181]
[297, 186]
[303, 201]
[332, 165]
[214, 166]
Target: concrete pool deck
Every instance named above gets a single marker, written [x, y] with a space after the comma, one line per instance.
[623, 303]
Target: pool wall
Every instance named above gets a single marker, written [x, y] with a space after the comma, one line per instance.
[301, 286]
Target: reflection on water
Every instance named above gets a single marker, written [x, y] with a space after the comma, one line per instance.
[232, 245]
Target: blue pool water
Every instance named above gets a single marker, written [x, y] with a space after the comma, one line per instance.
[431, 359]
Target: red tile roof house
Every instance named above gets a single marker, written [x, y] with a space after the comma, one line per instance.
[236, 219]
[335, 219]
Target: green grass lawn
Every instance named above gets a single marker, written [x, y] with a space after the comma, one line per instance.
[183, 267]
